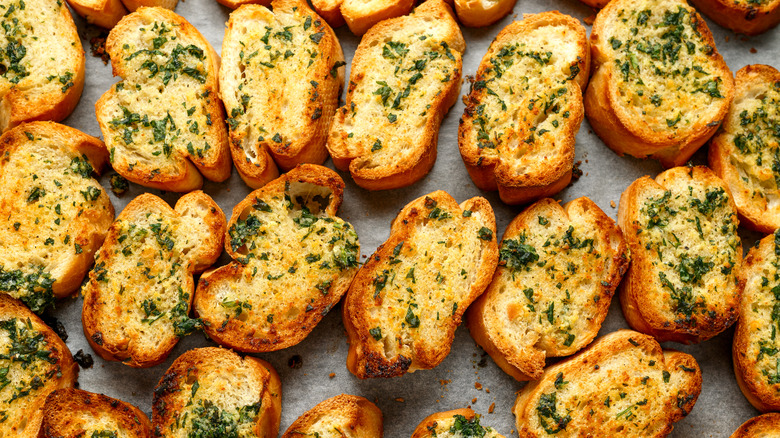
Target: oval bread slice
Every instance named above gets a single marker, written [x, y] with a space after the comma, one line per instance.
[213, 392]
[480, 13]
[458, 423]
[53, 212]
[558, 269]
[404, 305]
[103, 13]
[748, 17]
[74, 413]
[681, 229]
[137, 301]
[763, 426]
[525, 108]
[624, 385]
[659, 87]
[340, 416]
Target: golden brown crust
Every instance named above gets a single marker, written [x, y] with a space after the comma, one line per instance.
[381, 345]
[478, 13]
[350, 415]
[134, 5]
[237, 3]
[72, 413]
[763, 426]
[595, 3]
[742, 17]
[360, 18]
[330, 10]
[103, 13]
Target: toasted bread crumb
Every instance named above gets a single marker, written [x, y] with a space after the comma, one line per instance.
[753, 50]
[473, 400]
[478, 386]
[295, 362]
[400, 400]
[612, 204]
[589, 19]
[728, 38]
[332, 375]
[97, 46]
[491, 408]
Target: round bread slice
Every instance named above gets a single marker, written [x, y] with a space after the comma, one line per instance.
[763, 426]
[103, 13]
[749, 17]
[74, 413]
[458, 423]
[340, 416]
[213, 392]
[480, 13]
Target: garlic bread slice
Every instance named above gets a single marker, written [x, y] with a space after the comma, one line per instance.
[74, 413]
[748, 17]
[458, 423]
[763, 426]
[340, 416]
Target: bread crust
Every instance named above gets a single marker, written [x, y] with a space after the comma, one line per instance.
[479, 13]
[499, 133]
[263, 133]
[238, 3]
[349, 415]
[381, 144]
[626, 129]
[360, 18]
[38, 96]
[103, 13]
[134, 5]
[622, 384]
[762, 426]
[733, 155]
[57, 370]
[171, 146]
[389, 274]
[498, 321]
[432, 424]
[237, 384]
[330, 10]
[598, 4]
[124, 310]
[73, 413]
[693, 294]
[249, 304]
[741, 17]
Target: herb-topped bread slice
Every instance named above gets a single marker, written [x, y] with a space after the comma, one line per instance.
[746, 150]
[756, 344]
[623, 385]
[33, 362]
[763, 426]
[340, 416]
[402, 310]
[137, 301]
[281, 75]
[42, 62]
[73, 413]
[558, 269]
[750, 17]
[163, 122]
[213, 392]
[458, 423]
[681, 230]
[659, 87]
[405, 76]
[525, 107]
[294, 259]
[53, 213]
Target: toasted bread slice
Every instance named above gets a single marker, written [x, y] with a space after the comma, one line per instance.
[681, 230]
[660, 91]
[598, 4]
[137, 301]
[340, 416]
[405, 76]
[624, 385]
[330, 10]
[402, 310]
[42, 64]
[479, 13]
[294, 259]
[458, 423]
[103, 13]
[763, 426]
[134, 5]
[525, 107]
[755, 345]
[53, 214]
[743, 150]
[750, 18]
[360, 15]
[163, 122]
[33, 363]
[73, 413]
[214, 392]
[558, 269]
[280, 98]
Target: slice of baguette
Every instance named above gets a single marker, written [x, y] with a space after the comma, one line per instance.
[623, 385]
[458, 423]
[280, 81]
[340, 416]
[405, 76]
[749, 17]
[163, 122]
[330, 10]
[213, 392]
[744, 150]
[42, 62]
[755, 345]
[294, 259]
[558, 269]
[235, 4]
[598, 4]
[362, 15]
[763, 426]
[681, 230]
[73, 413]
[103, 13]
[134, 5]
[525, 108]
[404, 305]
[661, 92]
[480, 13]
[137, 301]
[53, 213]
[33, 362]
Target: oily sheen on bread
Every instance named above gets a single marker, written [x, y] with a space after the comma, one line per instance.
[749, 17]
[340, 416]
[558, 269]
[525, 107]
[53, 212]
[137, 301]
[406, 301]
[458, 423]
[763, 426]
